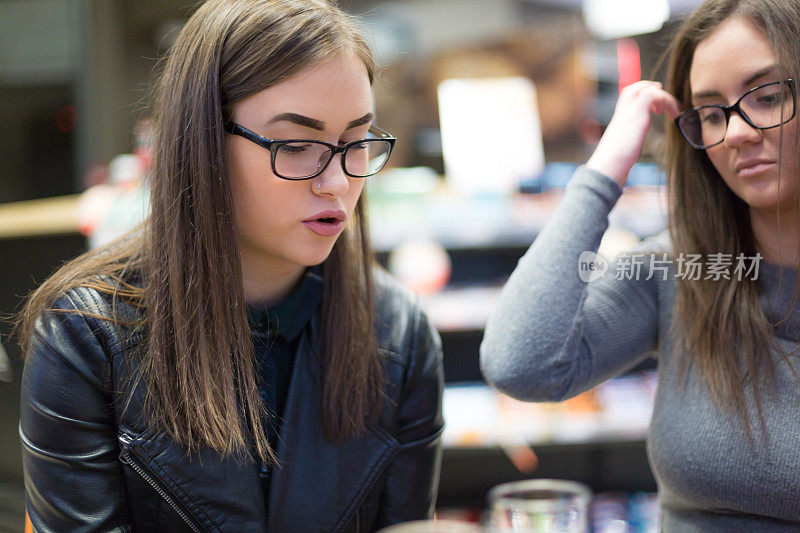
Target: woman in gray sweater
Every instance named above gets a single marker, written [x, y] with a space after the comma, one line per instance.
[714, 297]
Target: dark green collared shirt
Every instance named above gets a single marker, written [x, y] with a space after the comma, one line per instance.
[275, 333]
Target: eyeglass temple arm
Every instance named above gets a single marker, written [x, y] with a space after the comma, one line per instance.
[236, 129]
[382, 133]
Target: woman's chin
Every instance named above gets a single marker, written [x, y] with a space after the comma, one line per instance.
[313, 256]
[769, 203]
[765, 195]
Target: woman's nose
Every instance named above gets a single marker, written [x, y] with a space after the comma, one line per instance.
[740, 132]
[333, 181]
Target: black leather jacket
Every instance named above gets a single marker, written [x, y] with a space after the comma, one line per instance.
[89, 465]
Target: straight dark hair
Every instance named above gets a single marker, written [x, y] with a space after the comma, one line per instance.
[198, 367]
[721, 324]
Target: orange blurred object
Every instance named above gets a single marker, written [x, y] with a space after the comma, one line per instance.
[522, 457]
[582, 403]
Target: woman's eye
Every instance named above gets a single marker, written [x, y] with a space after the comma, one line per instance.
[771, 99]
[293, 148]
[711, 117]
[359, 146]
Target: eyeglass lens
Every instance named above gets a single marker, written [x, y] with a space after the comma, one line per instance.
[305, 158]
[765, 107]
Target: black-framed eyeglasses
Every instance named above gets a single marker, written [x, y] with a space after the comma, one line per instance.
[763, 107]
[303, 159]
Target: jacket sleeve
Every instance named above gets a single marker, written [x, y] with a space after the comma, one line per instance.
[413, 477]
[554, 335]
[73, 480]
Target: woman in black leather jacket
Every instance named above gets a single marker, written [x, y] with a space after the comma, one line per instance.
[236, 364]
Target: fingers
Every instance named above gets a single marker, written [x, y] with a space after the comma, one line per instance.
[622, 142]
[667, 104]
[671, 106]
[639, 86]
[660, 101]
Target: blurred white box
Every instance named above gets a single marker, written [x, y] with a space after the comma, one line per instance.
[491, 133]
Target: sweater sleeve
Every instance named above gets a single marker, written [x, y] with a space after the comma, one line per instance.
[552, 335]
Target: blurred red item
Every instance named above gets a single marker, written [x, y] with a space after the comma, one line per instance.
[67, 118]
[629, 62]
[95, 174]
[143, 132]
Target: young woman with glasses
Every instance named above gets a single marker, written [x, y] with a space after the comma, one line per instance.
[723, 440]
[236, 364]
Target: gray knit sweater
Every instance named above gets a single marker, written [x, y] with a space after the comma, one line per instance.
[553, 336]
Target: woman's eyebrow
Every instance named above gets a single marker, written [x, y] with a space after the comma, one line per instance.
[760, 73]
[302, 120]
[315, 124]
[366, 119]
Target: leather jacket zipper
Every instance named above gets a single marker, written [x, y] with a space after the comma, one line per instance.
[358, 522]
[126, 456]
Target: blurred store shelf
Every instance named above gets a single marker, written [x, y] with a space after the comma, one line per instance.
[406, 206]
[456, 221]
[47, 216]
[462, 309]
[616, 410]
[597, 438]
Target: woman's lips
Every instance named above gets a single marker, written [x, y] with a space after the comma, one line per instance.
[326, 223]
[754, 168]
[325, 228]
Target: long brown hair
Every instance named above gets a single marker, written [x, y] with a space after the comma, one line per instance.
[198, 369]
[720, 323]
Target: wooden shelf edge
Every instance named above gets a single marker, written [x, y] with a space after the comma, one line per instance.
[46, 216]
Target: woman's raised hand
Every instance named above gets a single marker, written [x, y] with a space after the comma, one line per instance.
[621, 144]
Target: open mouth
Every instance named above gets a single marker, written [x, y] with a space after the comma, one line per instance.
[326, 223]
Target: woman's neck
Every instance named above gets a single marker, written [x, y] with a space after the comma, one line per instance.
[267, 281]
[777, 236]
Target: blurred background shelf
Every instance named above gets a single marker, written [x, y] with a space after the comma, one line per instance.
[46, 216]
[461, 222]
[615, 465]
